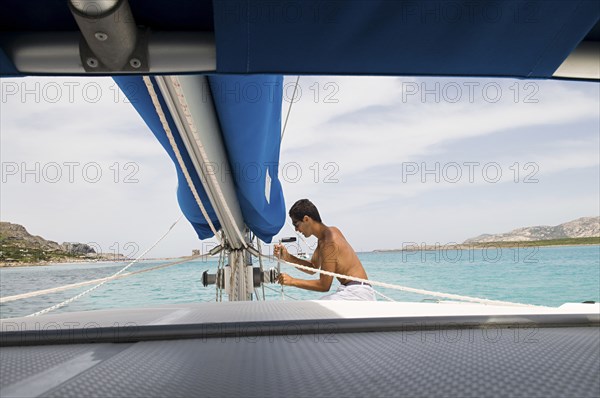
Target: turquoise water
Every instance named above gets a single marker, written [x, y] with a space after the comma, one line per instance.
[544, 276]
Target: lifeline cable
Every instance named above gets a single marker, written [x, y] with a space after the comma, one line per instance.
[90, 282]
[404, 288]
[114, 276]
[290, 108]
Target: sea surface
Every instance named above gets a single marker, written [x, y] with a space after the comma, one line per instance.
[547, 276]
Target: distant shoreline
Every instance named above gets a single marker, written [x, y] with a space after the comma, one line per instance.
[572, 242]
[78, 261]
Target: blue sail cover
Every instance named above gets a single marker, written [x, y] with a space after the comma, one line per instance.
[249, 112]
[251, 127]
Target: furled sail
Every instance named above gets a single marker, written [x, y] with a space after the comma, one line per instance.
[248, 109]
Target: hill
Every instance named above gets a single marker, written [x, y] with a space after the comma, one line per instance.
[19, 247]
[585, 227]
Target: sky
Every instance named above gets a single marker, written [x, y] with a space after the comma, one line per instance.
[391, 161]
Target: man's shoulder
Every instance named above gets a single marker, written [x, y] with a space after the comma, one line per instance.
[336, 235]
[333, 238]
[331, 235]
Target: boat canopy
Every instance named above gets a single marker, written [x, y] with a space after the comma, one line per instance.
[453, 38]
[516, 38]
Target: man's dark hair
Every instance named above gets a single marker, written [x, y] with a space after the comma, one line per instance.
[304, 207]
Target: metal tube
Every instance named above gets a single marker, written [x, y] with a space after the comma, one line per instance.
[93, 8]
[57, 53]
[110, 34]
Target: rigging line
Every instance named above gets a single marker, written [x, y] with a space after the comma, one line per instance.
[91, 282]
[213, 177]
[233, 281]
[290, 107]
[217, 278]
[258, 245]
[114, 276]
[277, 291]
[409, 289]
[220, 276]
[188, 178]
[184, 260]
[279, 273]
[383, 295]
[300, 235]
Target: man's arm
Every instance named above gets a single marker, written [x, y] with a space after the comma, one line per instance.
[323, 284]
[286, 256]
[306, 263]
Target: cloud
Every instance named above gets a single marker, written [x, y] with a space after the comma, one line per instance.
[345, 144]
[392, 130]
[87, 171]
[370, 141]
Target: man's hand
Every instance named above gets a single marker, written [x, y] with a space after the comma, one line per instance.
[281, 252]
[285, 279]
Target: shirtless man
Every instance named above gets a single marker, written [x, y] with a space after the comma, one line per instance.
[333, 254]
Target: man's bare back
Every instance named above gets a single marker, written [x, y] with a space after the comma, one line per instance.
[335, 248]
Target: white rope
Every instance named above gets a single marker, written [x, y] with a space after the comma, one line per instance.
[290, 108]
[279, 272]
[53, 290]
[234, 280]
[184, 169]
[309, 246]
[114, 276]
[408, 289]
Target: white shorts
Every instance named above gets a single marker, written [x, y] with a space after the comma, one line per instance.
[352, 292]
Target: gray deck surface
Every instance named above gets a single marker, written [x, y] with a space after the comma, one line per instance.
[483, 361]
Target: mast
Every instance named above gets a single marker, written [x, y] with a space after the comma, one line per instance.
[191, 106]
